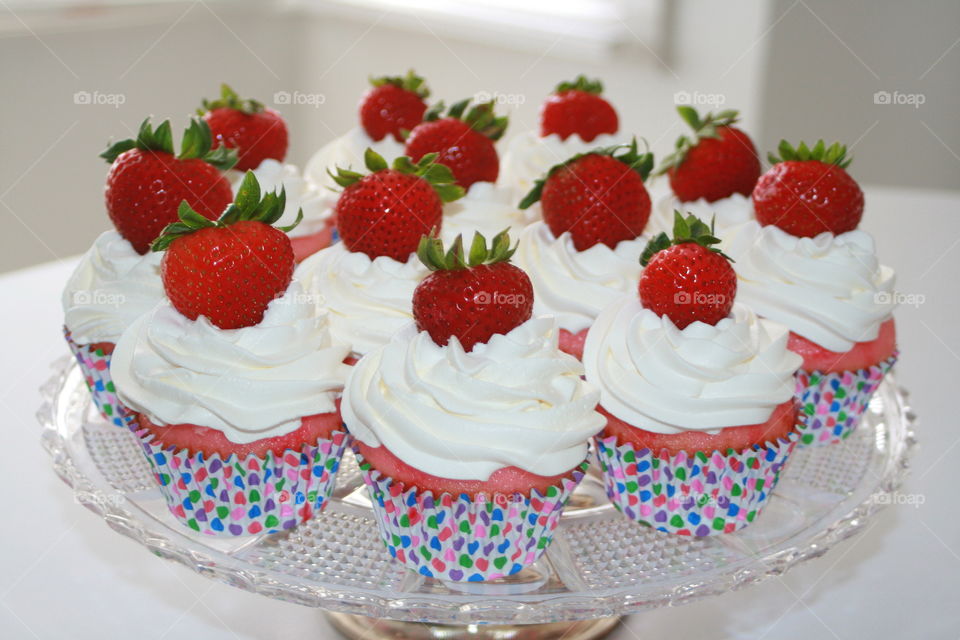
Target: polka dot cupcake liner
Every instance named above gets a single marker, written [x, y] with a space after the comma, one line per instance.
[833, 403]
[692, 495]
[249, 495]
[95, 366]
[460, 538]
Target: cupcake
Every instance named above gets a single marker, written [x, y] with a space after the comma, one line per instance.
[393, 106]
[470, 425]
[118, 279]
[712, 173]
[574, 119]
[367, 280]
[805, 264]
[697, 392]
[586, 252]
[234, 381]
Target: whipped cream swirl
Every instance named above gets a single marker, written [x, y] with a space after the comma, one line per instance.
[728, 212]
[368, 300]
[829, 289]
[659, 378]
[514, 401]
[111, 287]
[317, 202]
[576, 285]
[347, 152]
[249, 383]
[486, 208]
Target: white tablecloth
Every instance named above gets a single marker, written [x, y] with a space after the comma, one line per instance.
[65, 574]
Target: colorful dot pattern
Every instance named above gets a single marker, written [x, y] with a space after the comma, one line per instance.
[250, 495]
[460, 538]
[833, 403]
[691, 495]
[95, 366]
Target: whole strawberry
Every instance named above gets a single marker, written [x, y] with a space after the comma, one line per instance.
[231, 269]
[599, 197]
[394, 106]
[718, 161]
[472, 297]
[147, 181]
[808, 191]
[577, 108]
[256, 132]
[686, 278]
[462, 142]
[386, 212]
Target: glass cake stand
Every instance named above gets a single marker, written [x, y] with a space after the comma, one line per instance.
[600, 566]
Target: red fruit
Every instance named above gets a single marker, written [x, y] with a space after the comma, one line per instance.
[719, 161]
[147, 182]
[808, 191]
[598, 197]
[393, 105]
[686, 279]
[572, 343]
[386, 212]
[577, 108]
[464, 143]
[471, 297]
[230, 270]
[782, 421]
[256, 132]
[863, 355]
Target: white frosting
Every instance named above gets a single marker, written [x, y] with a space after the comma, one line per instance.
[111, 287]
[663, 379]
[529, 157]
[368, 300]
[249, 383]
[829, 289]
[576, 285]
[486, 208]
[728, 212]
[347, 152]
[514, 401]
[317, 202]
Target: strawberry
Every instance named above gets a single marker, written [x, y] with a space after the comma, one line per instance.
[471, 297]
[686, 278]
[577, 108]
[597, 196]
[385, 212]
[718, 161]
[808, 191]
[394, 106]
[147, 181]
[231, 269]
[256, 132]
[462, 142]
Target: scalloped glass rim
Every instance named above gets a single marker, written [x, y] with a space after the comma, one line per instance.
[887, 432]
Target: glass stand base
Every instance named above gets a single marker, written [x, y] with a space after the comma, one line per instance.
[364, 628]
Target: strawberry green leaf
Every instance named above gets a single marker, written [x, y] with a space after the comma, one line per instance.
[117, 148]
[437, 175]
[835, 154]
[373, 160]
[410, 82]
[432, 255]
[230, 100]
[703, 127]
[196, 143]
[581, 83]
[248, 195]
[685, 229]
[480, 117]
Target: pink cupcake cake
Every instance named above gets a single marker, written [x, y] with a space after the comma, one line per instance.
[805, 264]
[118, 279]
[697, 392]
[586, 251]
[471, 425]
[235, 381]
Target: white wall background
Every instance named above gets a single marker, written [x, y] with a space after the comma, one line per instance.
[792, 69]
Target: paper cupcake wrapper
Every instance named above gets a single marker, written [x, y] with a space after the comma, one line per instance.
[95, 366]
[834, 403]
[249, 495]
[691, 495]
[459, 538]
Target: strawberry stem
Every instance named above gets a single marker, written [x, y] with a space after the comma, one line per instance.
[196, 143]
[410, 82]
[581, 83]
[432, 255]
[438, 175]
[685, 229]
[230, 100]
[835, 154]
[703, 127]
[481, 117]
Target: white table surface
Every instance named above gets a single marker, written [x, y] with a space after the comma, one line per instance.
[65, 574]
